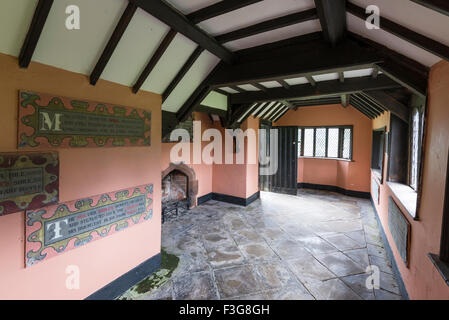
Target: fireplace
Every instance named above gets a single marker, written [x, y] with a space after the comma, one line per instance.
[179, 190]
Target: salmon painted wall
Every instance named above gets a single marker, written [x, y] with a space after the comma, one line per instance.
[203, 171]
[422, 279]
[348, 175]
[238, 180]
[83, 172]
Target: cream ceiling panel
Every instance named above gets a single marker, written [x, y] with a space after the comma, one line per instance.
[16, 16]
[78, 50]
[199, 71]
[138, 44]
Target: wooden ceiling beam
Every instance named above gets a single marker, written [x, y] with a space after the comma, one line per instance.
[34, 32]
[113, 42]
[332, 15]
[281, 115]
[332, 87]
[154, 60]
[218, 9]
[411, 36]
[284, 84]
[269, 25]
[181, 73]
[179, 23]
[298, 61]
[391, 104]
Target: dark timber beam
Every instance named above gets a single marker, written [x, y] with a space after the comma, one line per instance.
[113, 42]
[281, 115]
[345, 100]
[332, 14]
[413, 37]
[391, 104]
[323, 88]
[178, 22]
[34, 32]
[297, 60]
[259, 86]
[154, 59]
[441, 6]
[218, 9]
[311, 80]
[185, 68]
[408, 72]
[269, 25]
[284, 84]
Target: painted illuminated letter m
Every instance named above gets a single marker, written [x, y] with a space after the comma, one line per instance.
[49, 123]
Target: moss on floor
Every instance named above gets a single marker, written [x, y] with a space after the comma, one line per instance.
[169, 264]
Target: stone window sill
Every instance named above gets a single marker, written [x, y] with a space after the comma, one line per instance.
[377, 173]
[324, 158]
[406, 195]
[442, 267]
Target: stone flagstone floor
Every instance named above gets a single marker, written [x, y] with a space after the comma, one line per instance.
[316, 245]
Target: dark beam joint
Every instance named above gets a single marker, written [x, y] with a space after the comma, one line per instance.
[178, 22]
[332, 15]
[390, 103]
[34, 32]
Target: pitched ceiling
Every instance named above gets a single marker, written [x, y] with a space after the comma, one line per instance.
[80, 50]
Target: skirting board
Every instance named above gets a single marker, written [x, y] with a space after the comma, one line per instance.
[390, 255]
[350, 193]
[229, 199]
[129, 279]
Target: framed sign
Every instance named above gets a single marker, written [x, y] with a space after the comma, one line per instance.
[28, 181]
[400, 230]
[47, 121]
[56, 229]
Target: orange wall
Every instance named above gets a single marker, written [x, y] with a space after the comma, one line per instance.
[353, 175]
[238, 180]
[203, 172]
[422, 279]
[83, 172]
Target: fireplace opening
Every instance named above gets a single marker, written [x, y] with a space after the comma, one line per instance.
[179, 190]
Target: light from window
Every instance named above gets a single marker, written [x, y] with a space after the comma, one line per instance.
[415, 149]
[332, 145]
[308, 142]
[347, 144]
[325, 142]
[320, 143]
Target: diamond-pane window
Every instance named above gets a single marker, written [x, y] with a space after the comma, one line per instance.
[308, 142]
[320, 142]
[347, 144]
[299, 141]
[332, 143]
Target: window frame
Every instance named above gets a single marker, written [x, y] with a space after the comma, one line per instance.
[301, 135]
[420, 146]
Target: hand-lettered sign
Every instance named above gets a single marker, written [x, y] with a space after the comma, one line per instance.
[59, 228]
[50, 121]
[28, 181]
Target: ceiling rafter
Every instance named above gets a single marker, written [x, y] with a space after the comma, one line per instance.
[284, 83]
[179, 23]
[391, 104]
[362, 110]
[259, 86]
[268, 25]
[282, 109]
[411, 36]
[181, 73]
[119, 30]
[34, 32]
[332, 15]
[367, 106]
[218, 9]
[154, 59]
[331, 87]
[281, 115]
